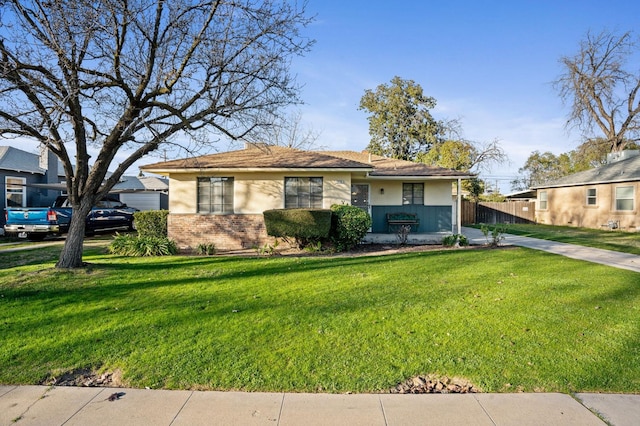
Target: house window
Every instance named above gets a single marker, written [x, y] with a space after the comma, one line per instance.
[215, 195]
[542, 198]
[624, 198]
[413, 193]
[591, 196]
[15, 192]
[303, 192]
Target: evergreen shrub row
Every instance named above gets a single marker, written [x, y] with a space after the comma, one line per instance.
[343, 225]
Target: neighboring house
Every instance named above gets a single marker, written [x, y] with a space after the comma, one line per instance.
[143, 192]
[22, 175]
[220, 198]
[605, 197]
[528, 195]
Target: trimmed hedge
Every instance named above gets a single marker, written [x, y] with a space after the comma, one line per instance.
[305, 225]
[151, 223]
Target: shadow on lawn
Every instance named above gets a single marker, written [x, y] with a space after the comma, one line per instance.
[620, 337]
[126, 318]
[99, 279]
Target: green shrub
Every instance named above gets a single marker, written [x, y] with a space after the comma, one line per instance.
[132, 245]
[349, 225]
[455, 239]
[206, 249]
[494, 236]
[268, 249]
[151, 223]
[306, 226]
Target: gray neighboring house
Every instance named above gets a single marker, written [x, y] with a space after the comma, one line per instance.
[32, 180]
[605, 197]
[143, 192]
[21, 176]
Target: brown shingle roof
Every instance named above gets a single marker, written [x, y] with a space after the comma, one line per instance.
[262, 157]
[276, 157]
[391, 167]
[627, 170]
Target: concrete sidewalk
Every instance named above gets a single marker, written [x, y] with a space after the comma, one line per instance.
[604, 257]
[40, 405]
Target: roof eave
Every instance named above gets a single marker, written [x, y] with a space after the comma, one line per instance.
[602, 182]
[421, 177]
[165, 172]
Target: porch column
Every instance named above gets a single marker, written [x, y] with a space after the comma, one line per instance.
[459, 207]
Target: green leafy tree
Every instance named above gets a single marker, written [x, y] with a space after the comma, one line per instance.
[474, 187]
[541, 168]
[593, 153]
[451, 154]
[400, 121]
[93, 79]
[465, 156]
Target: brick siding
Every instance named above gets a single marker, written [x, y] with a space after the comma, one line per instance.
[227, 232]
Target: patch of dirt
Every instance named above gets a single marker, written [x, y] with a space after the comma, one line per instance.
[432, 384]
[84, 377]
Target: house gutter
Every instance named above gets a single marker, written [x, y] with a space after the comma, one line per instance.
[252, 170]
[419, 177]
[595, 182]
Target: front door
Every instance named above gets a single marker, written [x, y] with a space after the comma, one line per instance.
[360, 196]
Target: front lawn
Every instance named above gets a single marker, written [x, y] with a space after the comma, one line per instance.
[507, 319]
[627, 242]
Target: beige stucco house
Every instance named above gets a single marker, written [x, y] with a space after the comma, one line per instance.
[605, 197]
[220, 198]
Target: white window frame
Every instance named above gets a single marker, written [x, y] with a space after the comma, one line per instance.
[10, 188]
[619, 198]
[416, 196]
[219, 196]
[592, 200]
[303, 192]
[543, 200]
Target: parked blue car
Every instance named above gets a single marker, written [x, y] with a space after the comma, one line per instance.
[35, 223]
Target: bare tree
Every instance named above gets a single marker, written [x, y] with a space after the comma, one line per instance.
[602, 93]
[114, 76]
[291, 132]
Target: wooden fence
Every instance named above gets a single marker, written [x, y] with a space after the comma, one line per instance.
[506, 212]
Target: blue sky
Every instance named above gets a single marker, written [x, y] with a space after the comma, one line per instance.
[488, 63]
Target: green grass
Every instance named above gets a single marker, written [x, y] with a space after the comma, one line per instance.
[507, 319]
[627, 242]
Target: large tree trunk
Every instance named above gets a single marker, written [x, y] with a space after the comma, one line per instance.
[71, 255]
